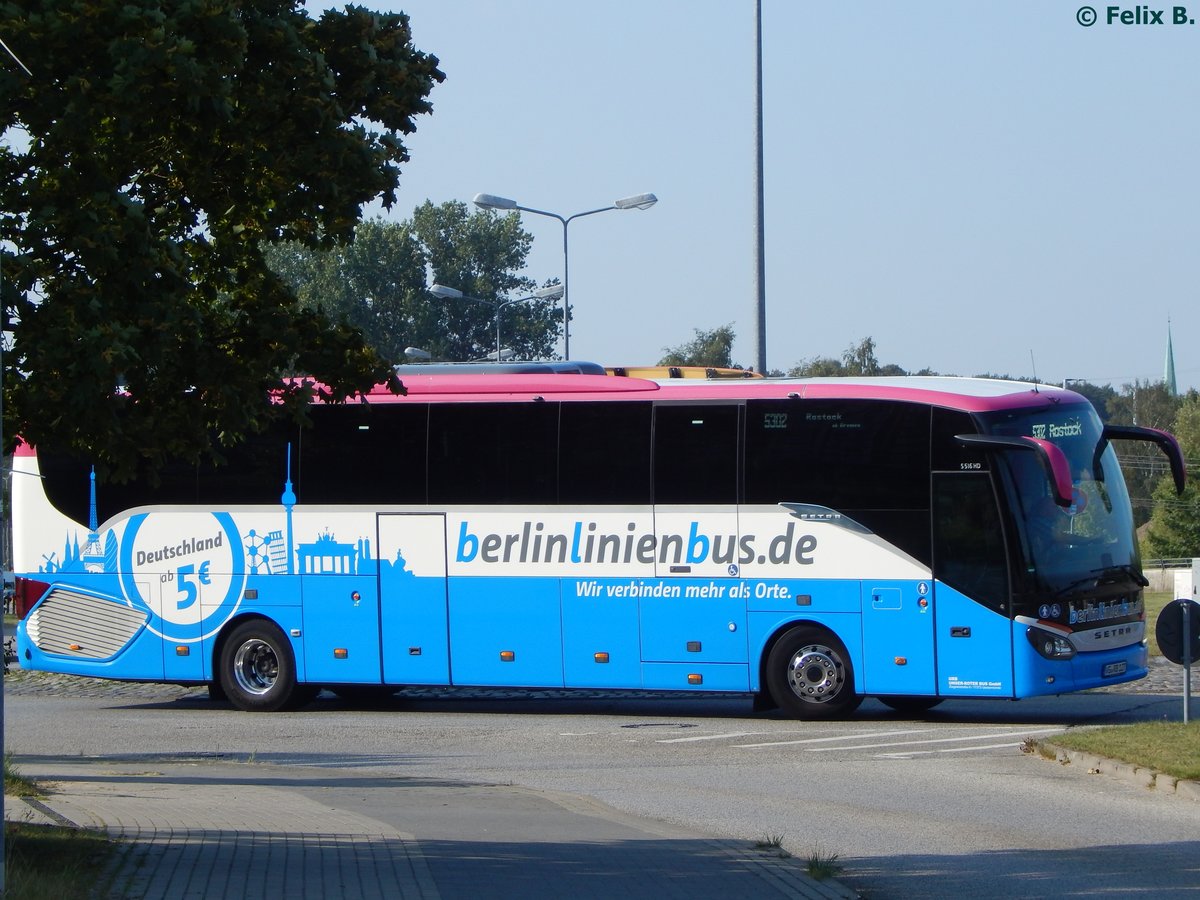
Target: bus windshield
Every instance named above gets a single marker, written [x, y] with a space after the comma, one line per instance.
[1061, 547]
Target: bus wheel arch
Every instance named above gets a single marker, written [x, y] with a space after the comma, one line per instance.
[256, 667]
[809, 674]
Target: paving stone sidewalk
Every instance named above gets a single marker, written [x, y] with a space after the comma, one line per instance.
[221, 830]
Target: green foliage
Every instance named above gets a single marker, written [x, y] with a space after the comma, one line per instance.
[1148, 404]
[857, 359]
[49, 862]
[377, 284]
[153, 153]
[1175, 525]
[711, 349]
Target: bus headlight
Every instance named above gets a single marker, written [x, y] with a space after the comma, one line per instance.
[1050, 645]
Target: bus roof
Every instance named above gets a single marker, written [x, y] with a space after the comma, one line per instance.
[968, 394]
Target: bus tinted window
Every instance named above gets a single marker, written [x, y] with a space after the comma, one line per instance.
[695, 454]
[355, 453]
[253, 472]
[947, 453]
[843, 454]
[604, 453]
[493, 453]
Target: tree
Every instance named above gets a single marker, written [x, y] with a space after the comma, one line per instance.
[154, 153]
[1149, 404]
[377, 284]
[711, 349]
[857, 359]
[1175, 525]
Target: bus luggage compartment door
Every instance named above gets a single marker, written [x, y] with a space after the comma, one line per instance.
[898, 652]
[412, 591]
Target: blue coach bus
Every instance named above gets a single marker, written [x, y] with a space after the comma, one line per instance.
[808, 542]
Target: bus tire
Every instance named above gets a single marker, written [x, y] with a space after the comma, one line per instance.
[258, 670]
[809, 675]
[912, 706]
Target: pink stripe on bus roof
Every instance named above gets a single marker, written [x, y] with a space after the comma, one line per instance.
[970, 395]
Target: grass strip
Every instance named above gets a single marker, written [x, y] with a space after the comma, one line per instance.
[1170, 747]
[50, 862]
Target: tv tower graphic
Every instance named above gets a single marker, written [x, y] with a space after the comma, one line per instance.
[93, 553]
[288, 499]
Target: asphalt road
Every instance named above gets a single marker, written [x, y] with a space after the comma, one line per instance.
[941, 806]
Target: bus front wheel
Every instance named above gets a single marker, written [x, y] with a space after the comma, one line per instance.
[258, 671]
[809, 675]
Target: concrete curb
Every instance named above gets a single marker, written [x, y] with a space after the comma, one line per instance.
[1151, 779]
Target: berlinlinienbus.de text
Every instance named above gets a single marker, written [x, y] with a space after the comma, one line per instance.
[585, 545]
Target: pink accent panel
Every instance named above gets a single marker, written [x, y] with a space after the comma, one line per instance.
[1059, 467]
[969, 395]
[23, 449]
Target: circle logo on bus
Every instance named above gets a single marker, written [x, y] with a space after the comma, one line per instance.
[188, 569]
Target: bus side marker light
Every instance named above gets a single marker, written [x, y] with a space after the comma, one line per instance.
[341, 653]
[902, 660]
[183, 650]
[693, 646]
[250, 594]
[414, 651]
[804, 599]
[695, 679]
[601, 657]
[74, 647]
[507, 656]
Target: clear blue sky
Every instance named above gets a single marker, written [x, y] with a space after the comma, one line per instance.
[971, 184]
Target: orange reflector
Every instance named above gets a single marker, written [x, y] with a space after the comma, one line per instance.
[902, 660]
[601, 657]
[341, 653]
[74, 647]
[695, 679]
[183, 650]
[507, 656]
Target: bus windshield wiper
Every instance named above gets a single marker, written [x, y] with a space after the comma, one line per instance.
[1126, 569]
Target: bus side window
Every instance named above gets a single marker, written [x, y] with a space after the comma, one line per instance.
[493, 452]
[604, 453]
[695, 453]
[360, 453]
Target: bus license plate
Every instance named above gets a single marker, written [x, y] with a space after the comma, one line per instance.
[1117, 668]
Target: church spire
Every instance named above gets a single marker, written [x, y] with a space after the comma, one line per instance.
[1169, 366]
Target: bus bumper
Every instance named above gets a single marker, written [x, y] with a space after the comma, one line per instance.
[1037, 676]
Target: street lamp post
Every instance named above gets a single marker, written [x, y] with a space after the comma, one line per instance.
[637, 201]
[553, 292]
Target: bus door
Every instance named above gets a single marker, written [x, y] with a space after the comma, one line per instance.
[693, 616]
[412, 594]
[974, 633]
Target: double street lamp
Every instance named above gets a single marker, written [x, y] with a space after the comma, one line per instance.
[638, 201]
[553, 292]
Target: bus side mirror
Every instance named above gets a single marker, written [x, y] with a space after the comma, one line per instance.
[1166, 442]
[1053, 460]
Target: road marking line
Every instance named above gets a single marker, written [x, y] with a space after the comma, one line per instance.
[912, 753]
[708, 737]
[840, 737]
[976, 737]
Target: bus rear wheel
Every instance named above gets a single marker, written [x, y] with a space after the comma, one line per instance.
[809, 675]
[258, 671]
